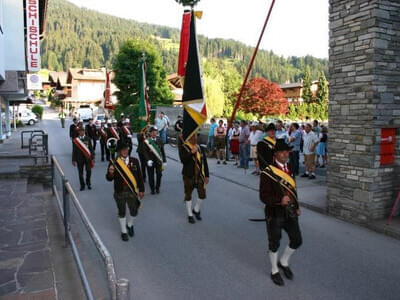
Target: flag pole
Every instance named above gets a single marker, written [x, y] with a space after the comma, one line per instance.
[239, 98]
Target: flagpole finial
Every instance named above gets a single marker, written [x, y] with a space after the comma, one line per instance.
[190, 3]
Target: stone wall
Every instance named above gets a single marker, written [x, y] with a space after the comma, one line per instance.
[364, 67]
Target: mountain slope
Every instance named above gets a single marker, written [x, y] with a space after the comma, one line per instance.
[78, 37]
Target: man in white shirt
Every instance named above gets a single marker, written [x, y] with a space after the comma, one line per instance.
[310, 140]
[255, 136]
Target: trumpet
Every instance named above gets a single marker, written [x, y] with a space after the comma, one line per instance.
[112, 145]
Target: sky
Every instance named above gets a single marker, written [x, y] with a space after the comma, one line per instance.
[296, 27]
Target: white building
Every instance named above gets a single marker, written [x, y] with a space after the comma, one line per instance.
[13, 58]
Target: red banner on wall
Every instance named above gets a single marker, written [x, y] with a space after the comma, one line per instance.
[388, 141]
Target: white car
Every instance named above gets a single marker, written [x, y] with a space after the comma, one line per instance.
[85, 113]
[27, 117]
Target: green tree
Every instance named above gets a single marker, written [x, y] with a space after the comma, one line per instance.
[215, 97]
[126, 67]
[307, 94]
[323, 90]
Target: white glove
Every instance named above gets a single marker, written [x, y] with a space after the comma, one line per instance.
[129, 136]
[150, 163]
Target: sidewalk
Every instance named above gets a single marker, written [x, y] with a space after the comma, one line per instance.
[34, 263]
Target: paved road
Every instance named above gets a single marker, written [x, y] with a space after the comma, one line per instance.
[224, 256]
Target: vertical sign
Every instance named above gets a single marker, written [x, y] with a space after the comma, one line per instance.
[32, 35]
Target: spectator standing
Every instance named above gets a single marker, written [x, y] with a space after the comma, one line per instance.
[220, 144]
[167, 121]
[280, 132]
[294, 141]
[244, 146]
[161, 124]
[310, 143]
[321, 148]
[235, 142]
[210, 142]
[316, 128]
[255, 136]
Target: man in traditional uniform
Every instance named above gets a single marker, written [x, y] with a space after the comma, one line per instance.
[102, 134]
[195, 174]
[73, 129]
[279, 194]
[155, 159]
[128, 188]
[113, 132]
[91, 132]
[126, 135]
[265, 147]
[83, 157]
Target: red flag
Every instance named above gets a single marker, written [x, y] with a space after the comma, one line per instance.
[184, 45]
[107, 94]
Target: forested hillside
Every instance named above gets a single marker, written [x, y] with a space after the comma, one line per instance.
[84, 38]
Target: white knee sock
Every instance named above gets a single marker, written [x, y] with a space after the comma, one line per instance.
[122, 222]
[129, 220]
[198, 205]
[286, 256]
[273, 257]
[189, 208]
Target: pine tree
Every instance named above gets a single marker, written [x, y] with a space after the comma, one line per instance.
[307, 94]
[323, 90]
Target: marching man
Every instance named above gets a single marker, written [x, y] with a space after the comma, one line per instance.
[128, 188]
[154, 154]
[102, 133]
[83, 156]
[265, 147]
[195, 174]
[126, 135]
[279, 194]
[113, 132]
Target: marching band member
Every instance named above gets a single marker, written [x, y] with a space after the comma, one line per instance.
[128, 188]
[102, 133]
[154, 154]
[265, 147]
[126, 135]
[279, 194]
[113, 132]
[91, 132]
[83, 156]
[195, 174]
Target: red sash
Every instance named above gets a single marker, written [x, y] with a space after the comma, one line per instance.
[126, 130]
[84, 149]
[114, 133]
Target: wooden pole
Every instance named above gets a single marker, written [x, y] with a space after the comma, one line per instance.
[239, 98]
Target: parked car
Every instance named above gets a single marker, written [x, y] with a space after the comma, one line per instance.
[28, 117]
[85, 113]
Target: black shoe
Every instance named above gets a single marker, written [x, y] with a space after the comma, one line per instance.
[311, 177]
[218, 162]
[304, 175]
[89, 187]
[131, 230]
[102, 159]
[224, 162]
[197, 215]
[286, 270]
[82, 188]
[124, 237]
[157, 191]
[277, 279]
[153, 192]
[191, 220]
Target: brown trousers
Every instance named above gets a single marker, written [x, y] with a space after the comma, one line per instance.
[190, 184]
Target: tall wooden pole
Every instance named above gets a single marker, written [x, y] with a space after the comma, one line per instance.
[239, 98]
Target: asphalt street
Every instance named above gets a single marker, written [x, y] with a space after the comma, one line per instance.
[225, 256]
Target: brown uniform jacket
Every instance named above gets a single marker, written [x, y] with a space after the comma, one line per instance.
[134, 166]
[77, 154]
[187, 160]
[271, 193]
